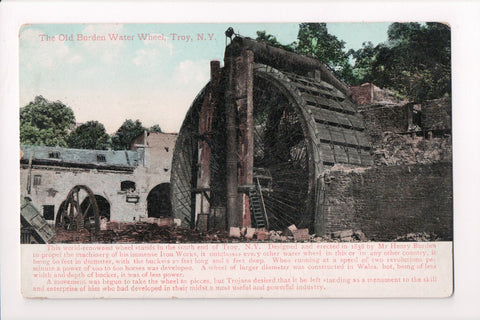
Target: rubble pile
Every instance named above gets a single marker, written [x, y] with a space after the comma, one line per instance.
[139, 232]
[395, 149]
[146, 232]
[72, 236]
[418, 237]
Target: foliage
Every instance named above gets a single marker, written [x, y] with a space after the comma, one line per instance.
[44, 122]
[90, 135]
[314, 40]
[155, 128]
[364, 59]
[272, 40]
[415, 61]
[126, 133]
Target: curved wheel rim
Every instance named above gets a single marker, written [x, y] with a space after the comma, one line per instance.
[72, 217]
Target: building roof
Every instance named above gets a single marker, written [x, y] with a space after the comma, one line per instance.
[124, 159]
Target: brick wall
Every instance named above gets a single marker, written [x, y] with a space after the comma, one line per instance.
[369, 93]
[56, 181]
[362, 94]
[391, 201]
[437, 114]
[384, 118]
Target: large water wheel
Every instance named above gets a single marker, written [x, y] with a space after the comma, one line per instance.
[79, 211]
[301, 125]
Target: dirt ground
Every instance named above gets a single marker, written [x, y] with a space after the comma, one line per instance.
[152, 233]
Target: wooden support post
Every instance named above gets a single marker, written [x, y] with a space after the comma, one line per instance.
[408, 116]
[372, 93]
[244, 103]
[29, 178]
[202, 199]
[231, 156]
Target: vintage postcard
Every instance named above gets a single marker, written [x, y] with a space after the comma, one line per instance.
[236, 160]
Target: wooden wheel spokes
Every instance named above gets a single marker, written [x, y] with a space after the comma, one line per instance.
[72, 217]
[281, 150]
[282, 160]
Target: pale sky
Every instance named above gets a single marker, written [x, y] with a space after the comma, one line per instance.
[154, 80]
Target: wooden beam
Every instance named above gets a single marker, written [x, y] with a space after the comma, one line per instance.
[202, 201]
[286, 60]
[231, 152]
[244, 102]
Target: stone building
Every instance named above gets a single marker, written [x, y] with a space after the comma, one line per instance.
[368, 93]
[128, 185]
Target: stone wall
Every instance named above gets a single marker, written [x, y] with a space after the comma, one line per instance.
[432, 115]
[386, 202]
[57, 181]
[380, 118]
[160, 151]
[437, 115]
[362, 94]
[369, 93]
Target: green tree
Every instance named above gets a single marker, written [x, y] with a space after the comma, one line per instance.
[272, 40]
[414, 62]
[314, 40]
[43, 122]
[155, 128]
[126, 133]
[364, 59]
[90, 135]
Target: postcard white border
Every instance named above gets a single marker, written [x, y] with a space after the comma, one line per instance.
[463, 16]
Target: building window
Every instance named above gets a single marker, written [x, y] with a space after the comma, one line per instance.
[48, 212]
[54, 155]
[101, 158]
[127, 186]
[37, 180]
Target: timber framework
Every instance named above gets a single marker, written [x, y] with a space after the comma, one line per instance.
[254, 146]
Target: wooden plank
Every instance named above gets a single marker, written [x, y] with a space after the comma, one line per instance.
[325, 103]
[366, 157]
[340, 154]
[350, 137]
[324, 132]
[326, 85]
[356, 121]
[312, 82]
[362, 139]
[348, 105]
[353, 156]
[342, 119]
[326, 151]
[342, 136]
[324, 115]
[320, 91]
[337, 135]
[345, 120]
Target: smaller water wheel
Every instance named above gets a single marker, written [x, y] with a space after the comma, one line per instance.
[79, 210]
